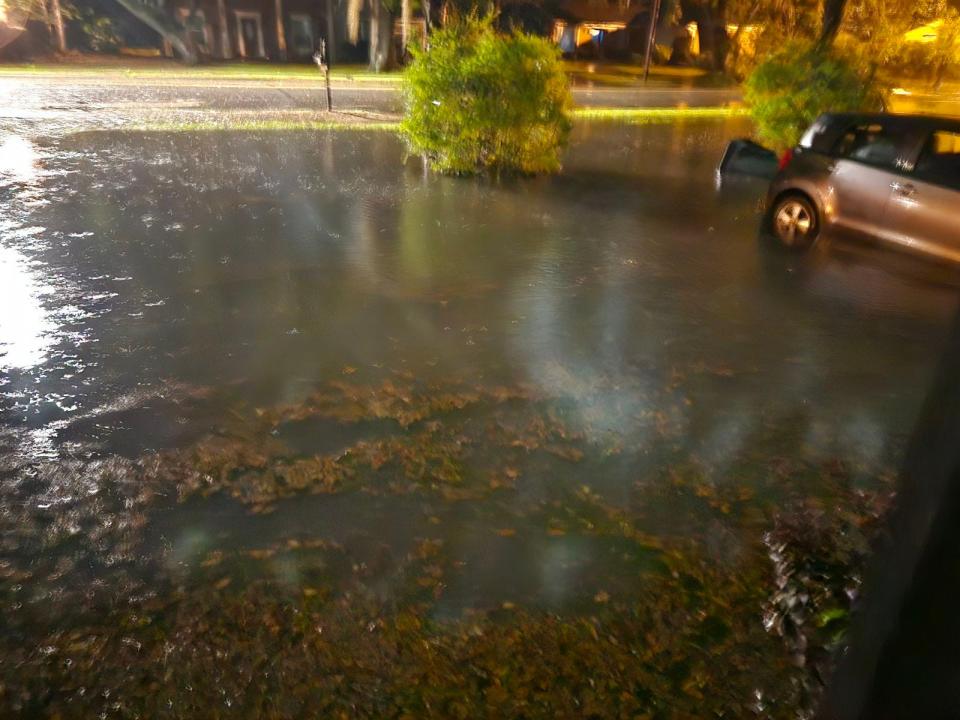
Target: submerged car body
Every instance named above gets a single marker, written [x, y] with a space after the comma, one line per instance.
[892, 178]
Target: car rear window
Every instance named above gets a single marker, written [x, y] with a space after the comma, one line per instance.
[939, 161]
[819, 137]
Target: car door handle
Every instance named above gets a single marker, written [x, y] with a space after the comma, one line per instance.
[904, 189]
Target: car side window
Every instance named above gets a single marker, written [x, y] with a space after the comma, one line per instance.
[939, 161]
[872, 144]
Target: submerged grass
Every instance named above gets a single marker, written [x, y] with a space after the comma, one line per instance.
[266, 125]
[609, 74]
[634, 116]
[626, 116]
[166, 70]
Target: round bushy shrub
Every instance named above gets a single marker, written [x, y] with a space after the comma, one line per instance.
[791, 88]
[481, 100]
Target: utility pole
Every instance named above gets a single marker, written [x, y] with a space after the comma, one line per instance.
[320, 58]
[58, 25]
[651, 39]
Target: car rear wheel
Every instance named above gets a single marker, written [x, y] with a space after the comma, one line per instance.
[795, 222]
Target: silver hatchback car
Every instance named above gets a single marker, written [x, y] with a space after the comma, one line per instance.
[892, 178]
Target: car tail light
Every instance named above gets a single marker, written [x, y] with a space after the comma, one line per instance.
[785, 160]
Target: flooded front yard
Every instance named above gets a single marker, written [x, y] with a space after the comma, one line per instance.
[291, 428]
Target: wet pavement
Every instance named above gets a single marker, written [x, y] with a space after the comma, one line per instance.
[291, 426]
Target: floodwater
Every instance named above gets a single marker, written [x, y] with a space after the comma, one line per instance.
[291, 427]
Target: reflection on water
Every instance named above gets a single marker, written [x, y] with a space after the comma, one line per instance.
[18, 159]
[287, 376]
[24, 325]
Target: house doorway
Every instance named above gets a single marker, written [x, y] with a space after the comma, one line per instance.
[250, 34]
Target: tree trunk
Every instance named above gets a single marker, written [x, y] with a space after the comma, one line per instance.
[427, 22]
[713, 36]
[47, 20]
[374, 34]
[331, 34]
[281, 33]
[163, 24]
[406, 15]
[832, 18]
[388, 48]
[58, 25]
[381, 38]
[226, 47]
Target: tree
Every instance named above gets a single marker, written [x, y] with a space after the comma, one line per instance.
[946, 47]
[788, 90]
[779, 20]
[877, 30]
[772, 23]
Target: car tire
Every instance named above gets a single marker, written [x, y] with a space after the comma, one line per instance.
[794, 222]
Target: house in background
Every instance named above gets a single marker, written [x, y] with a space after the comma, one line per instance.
[219, 29]
[600, 29]
[282, 29]
[259, 29]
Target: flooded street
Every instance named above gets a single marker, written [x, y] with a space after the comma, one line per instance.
[291, 427]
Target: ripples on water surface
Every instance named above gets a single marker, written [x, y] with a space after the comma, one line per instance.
[292, 428]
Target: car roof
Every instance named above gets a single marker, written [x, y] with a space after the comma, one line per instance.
[921, 122]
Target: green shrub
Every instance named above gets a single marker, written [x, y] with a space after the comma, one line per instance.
[790, 89]
[480, 100]
[100, 32]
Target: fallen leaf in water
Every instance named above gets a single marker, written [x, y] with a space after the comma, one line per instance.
[261, 554]
[213, 558]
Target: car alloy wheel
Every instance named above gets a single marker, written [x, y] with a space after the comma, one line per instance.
[795, 222]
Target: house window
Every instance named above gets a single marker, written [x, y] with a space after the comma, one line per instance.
[300, 35]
